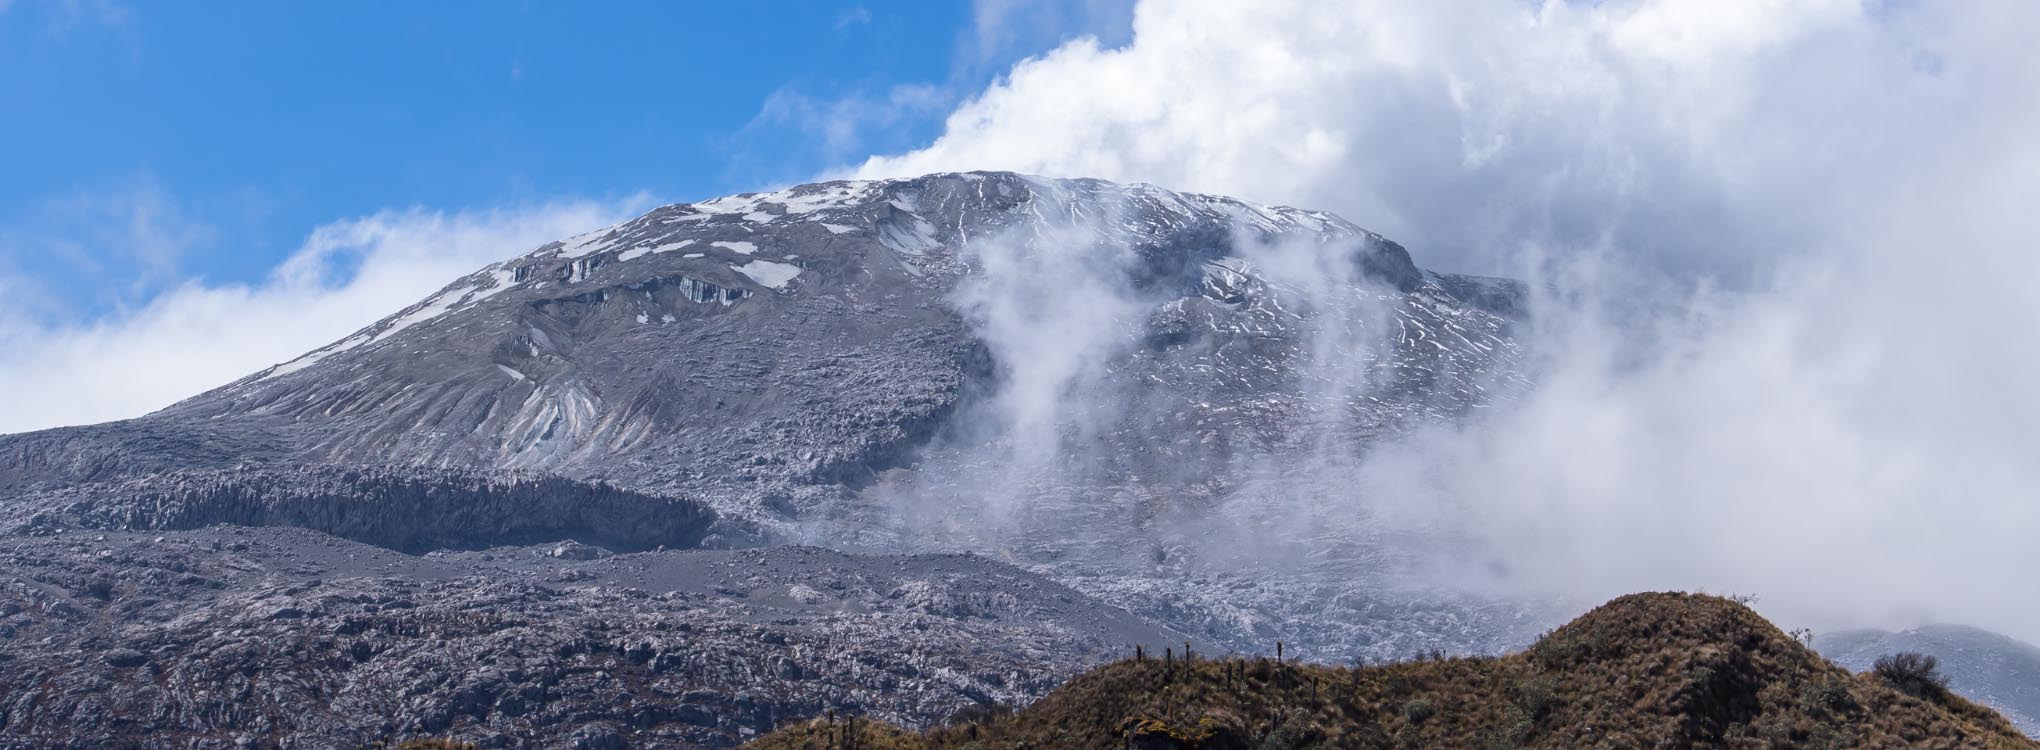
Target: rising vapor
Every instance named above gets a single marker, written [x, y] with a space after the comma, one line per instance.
[1778, 255]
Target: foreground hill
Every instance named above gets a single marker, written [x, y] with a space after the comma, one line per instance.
[1643, 671]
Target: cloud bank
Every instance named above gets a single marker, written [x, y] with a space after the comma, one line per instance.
[1783, 250]
[194, 336]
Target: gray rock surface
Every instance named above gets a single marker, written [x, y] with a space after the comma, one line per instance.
[193, 639]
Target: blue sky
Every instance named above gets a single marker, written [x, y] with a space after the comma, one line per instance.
[161, 143]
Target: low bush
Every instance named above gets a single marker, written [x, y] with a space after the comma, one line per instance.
[1912, 673]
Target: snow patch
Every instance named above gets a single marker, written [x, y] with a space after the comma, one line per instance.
[731, 204]
[835, 196]
[584, 244]
[313, 357]
[745, 248]
[434, 307]
[838, 228]
[639, 252]
[768, 273]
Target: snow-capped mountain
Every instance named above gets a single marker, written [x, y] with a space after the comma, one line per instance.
[1146, 395]
[764, 352]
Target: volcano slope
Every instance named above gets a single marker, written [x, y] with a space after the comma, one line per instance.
[1064, 375]
[764, 352]
[1646, 670]
[1144, 394]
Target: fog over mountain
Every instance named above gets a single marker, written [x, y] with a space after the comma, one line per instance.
[1146, 396]
[1772, 250]
[1372, 331]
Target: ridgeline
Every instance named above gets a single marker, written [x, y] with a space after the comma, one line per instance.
[1654, 670]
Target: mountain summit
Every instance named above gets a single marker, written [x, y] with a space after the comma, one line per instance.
[1114, 398]
[763, 351]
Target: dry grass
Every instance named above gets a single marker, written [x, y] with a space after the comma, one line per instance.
[422, 743]
[1643, 671]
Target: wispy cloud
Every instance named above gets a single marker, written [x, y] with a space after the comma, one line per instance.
[1785, 345]
[842, 126]
[127, 241]
[856, 16]
[60, 17]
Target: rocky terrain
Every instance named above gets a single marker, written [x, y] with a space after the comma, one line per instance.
[281, 637]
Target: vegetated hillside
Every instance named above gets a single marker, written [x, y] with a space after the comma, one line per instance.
[1643, 671]
[1994, 670]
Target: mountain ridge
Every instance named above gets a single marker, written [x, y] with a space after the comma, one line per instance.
[558, 386]
[1644, 670]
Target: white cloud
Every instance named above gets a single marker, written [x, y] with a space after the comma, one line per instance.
[1790, 344]
[127, 241]
[194, 336]
[1471, 125]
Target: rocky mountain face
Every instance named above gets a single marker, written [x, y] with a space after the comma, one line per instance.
[1140, 403]
[756, 347]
